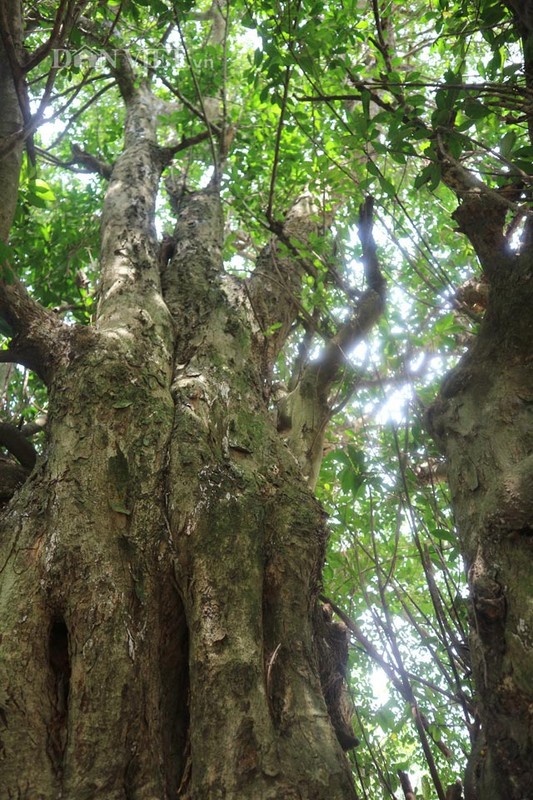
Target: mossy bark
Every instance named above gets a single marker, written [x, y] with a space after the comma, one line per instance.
[159, 570]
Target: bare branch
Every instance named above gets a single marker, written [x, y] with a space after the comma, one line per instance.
[286, 84]
[90, 162]
[369, 307]
[402, 685]
[405, 783]
[171, 150]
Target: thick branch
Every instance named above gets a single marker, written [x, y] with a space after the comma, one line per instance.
[191, 276]
[405, 783]
[305, 412]
[90, 162]
[18, 445]
[369, 308]
[130, 280]
[37, 331]
[11, 42]
[481, 213]
[12, 476]
[275, 286]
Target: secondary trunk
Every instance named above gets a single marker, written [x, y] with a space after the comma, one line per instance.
[483, 420]
[103, 588]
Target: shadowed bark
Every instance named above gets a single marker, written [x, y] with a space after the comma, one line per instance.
[482, 421]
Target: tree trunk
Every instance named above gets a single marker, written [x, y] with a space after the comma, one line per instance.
[483, 420]
[161, 566]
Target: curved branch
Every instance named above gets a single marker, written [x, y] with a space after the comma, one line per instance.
[36, 331]
[12, 476]
[369, 307]
[305, 412]
[17, 444]
[481, 212]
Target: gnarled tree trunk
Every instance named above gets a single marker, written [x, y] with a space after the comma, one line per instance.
[483, 421]
[159, 570]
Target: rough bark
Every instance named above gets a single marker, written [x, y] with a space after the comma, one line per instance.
[160, 568]
[11, 118]
[249, 541]
[483, 421]
[90, 612]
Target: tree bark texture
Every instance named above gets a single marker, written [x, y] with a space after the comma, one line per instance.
[483, 420]
[11, 120]
[159, 570]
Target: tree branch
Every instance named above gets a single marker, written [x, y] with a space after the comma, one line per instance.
[275, 285]
[11, 36]
[277, 144]
[305, 411]
[18, 445]
[66, 16]
[90, 162]
[35, 343]
[481, 213]
[12, 476]
[11, 122]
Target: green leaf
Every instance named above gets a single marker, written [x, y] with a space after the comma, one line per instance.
[120, 508]
[431, 174]
[273, 328]
[444, 535]
[43, 190]
[507, 142]
[474, 109]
